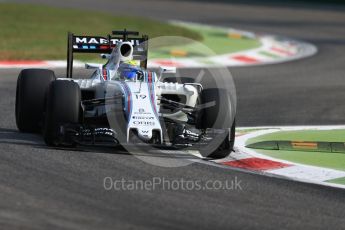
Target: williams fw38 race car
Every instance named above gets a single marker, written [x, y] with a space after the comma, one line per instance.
[122, 103]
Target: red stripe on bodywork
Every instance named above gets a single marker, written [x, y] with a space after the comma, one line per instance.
[129, 104]
[105, 77]
[152, 96]
[256, 164]
[150, 77]
[244, 58]
[104, 47]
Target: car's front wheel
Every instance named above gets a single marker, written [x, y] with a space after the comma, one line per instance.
[63, 107]
[217, 113]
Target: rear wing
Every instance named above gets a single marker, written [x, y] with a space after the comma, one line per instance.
[98, 44]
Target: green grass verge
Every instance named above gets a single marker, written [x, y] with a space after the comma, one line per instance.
[40, 32]
[337, 135]
[216, 39]
[337, 181]
[322, 159]
[34, 32]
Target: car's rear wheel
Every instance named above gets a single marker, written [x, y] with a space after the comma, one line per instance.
[63, 107]
[217, 113]
[32, 85]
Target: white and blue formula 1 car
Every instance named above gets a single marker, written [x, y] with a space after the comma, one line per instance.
[123, 103]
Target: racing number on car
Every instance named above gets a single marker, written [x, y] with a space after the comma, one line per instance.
[140, 96]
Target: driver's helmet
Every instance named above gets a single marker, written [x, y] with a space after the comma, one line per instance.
[130, 72]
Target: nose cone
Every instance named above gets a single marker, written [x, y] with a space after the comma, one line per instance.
[145, 134]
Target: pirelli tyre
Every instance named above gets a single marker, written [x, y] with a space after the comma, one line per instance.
[63, 107]
[217, 112]
[32, 85]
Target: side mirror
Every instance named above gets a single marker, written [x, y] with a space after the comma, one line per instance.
[93, 66]
[166, 69]
[105, 56]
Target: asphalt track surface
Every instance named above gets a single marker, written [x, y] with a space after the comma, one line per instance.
[43, 188]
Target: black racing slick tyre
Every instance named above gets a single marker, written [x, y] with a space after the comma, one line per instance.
[217, 113]
[63, 107]
[32, 85]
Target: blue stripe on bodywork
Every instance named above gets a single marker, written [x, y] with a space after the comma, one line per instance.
[128, 102]
[151, 89]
